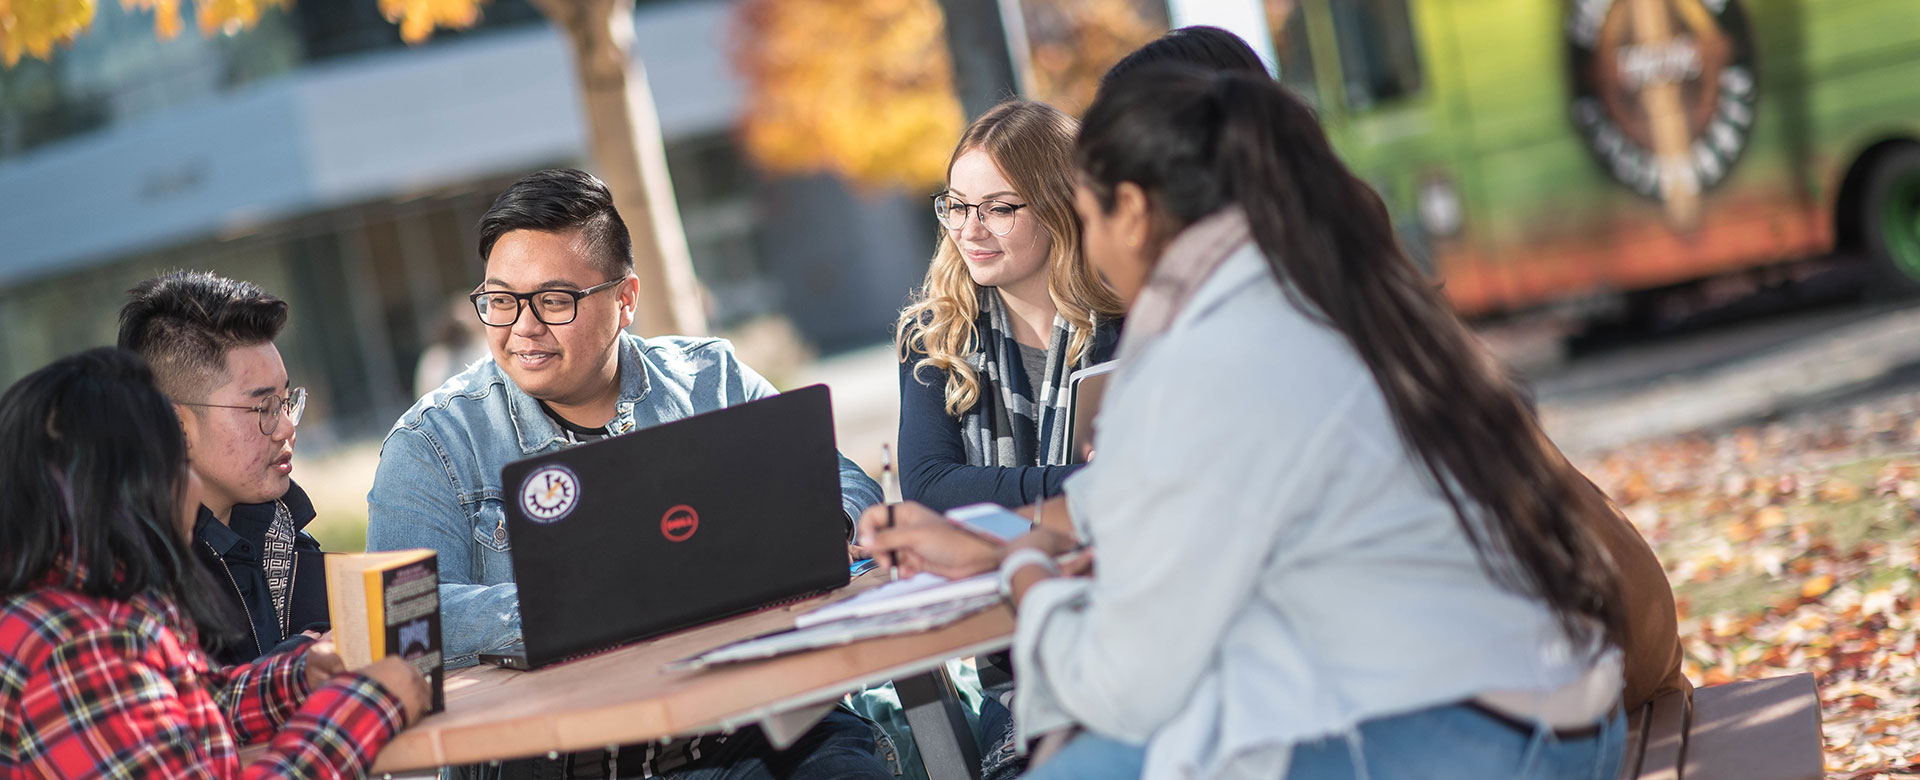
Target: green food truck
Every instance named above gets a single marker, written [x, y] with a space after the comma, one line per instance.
[1542, 152]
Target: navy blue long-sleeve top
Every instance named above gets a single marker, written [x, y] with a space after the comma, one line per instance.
[933, 457]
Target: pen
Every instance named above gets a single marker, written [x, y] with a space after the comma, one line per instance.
[887, 491]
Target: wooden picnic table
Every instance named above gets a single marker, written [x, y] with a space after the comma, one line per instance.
[626, 696]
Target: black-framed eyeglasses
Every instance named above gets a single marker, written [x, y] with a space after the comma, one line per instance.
[550, 307]
[996, 216]
[291, 406]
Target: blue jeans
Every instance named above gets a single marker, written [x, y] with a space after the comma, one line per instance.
[999, 741]
[1441, 743]
[840, 745]
[1089, 756]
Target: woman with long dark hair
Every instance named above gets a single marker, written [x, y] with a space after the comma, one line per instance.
[1331, 540]
[102, 609]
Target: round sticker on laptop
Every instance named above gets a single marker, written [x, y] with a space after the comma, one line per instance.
[549, 493]
[679, 523]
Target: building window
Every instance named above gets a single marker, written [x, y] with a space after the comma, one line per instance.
[1378, 62]
[713, 184]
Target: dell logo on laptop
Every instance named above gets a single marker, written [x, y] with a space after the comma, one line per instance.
[679, 523]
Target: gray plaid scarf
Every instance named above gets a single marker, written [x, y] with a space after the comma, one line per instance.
[1013, 423]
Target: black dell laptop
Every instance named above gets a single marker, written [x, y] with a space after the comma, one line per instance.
[675, 525]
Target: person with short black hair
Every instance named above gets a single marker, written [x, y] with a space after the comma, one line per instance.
[210, 342]
[103, 609]
[563, 199]
[557, 296]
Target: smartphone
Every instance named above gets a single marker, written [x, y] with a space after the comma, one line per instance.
[990, 520]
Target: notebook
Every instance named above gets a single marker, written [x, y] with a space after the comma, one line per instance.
[920, 603]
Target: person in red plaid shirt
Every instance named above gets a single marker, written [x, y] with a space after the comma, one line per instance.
[102, 610]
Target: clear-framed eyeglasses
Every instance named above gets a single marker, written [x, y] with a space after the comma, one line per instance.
[291, 406]
[996, 216]
[551, 307]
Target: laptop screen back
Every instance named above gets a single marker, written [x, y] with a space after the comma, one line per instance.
[675, 525]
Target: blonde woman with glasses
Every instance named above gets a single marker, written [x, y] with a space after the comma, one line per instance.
[1009, 310]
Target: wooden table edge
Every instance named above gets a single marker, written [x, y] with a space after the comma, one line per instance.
[412, 755]
[828, 693]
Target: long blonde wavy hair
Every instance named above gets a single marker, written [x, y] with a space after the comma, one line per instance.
[1032, 145]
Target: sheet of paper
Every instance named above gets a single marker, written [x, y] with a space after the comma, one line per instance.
[840, 632]
[916, 591]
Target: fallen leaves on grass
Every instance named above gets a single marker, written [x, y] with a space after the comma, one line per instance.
[1792, 547]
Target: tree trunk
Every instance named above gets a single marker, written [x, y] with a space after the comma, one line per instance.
[983, 69]
[623, 140]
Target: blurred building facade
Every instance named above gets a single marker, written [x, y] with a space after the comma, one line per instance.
[344, 171]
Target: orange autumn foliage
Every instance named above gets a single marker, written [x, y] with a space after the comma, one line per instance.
[860, 88]
[34, 27]
[864, 88]
[418, 18]
[1075, 42]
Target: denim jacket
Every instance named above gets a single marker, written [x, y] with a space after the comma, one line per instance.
[438, 482]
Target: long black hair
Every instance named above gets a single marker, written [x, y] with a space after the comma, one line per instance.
[1197, 142]
[1201, 46]
[93, 477]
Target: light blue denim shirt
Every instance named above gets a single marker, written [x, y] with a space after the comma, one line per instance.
[438, 483]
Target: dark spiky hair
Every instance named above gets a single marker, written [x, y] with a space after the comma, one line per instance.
[184, 323]
[558, 200]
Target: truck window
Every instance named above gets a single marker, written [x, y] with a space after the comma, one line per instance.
[1290, 50]
[1377, 59]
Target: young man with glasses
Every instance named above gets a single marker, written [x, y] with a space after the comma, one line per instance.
[557, 296]
[209, 341]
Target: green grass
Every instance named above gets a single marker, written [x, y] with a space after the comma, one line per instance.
[340, 532]
[1839, 534]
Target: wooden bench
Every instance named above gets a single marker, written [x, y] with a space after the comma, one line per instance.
[1753, 730]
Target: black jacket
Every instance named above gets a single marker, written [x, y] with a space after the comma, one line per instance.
[933, 450]
[231, 554]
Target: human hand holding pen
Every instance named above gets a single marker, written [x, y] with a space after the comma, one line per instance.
[917, 539]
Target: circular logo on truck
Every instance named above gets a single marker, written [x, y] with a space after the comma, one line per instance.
[1664, 93]
[549, 493]
[679, 523]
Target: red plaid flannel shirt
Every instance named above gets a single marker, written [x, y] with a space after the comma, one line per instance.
[93, 687]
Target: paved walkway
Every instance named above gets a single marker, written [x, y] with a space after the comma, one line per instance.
[1669, 387]
[1726, 378]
